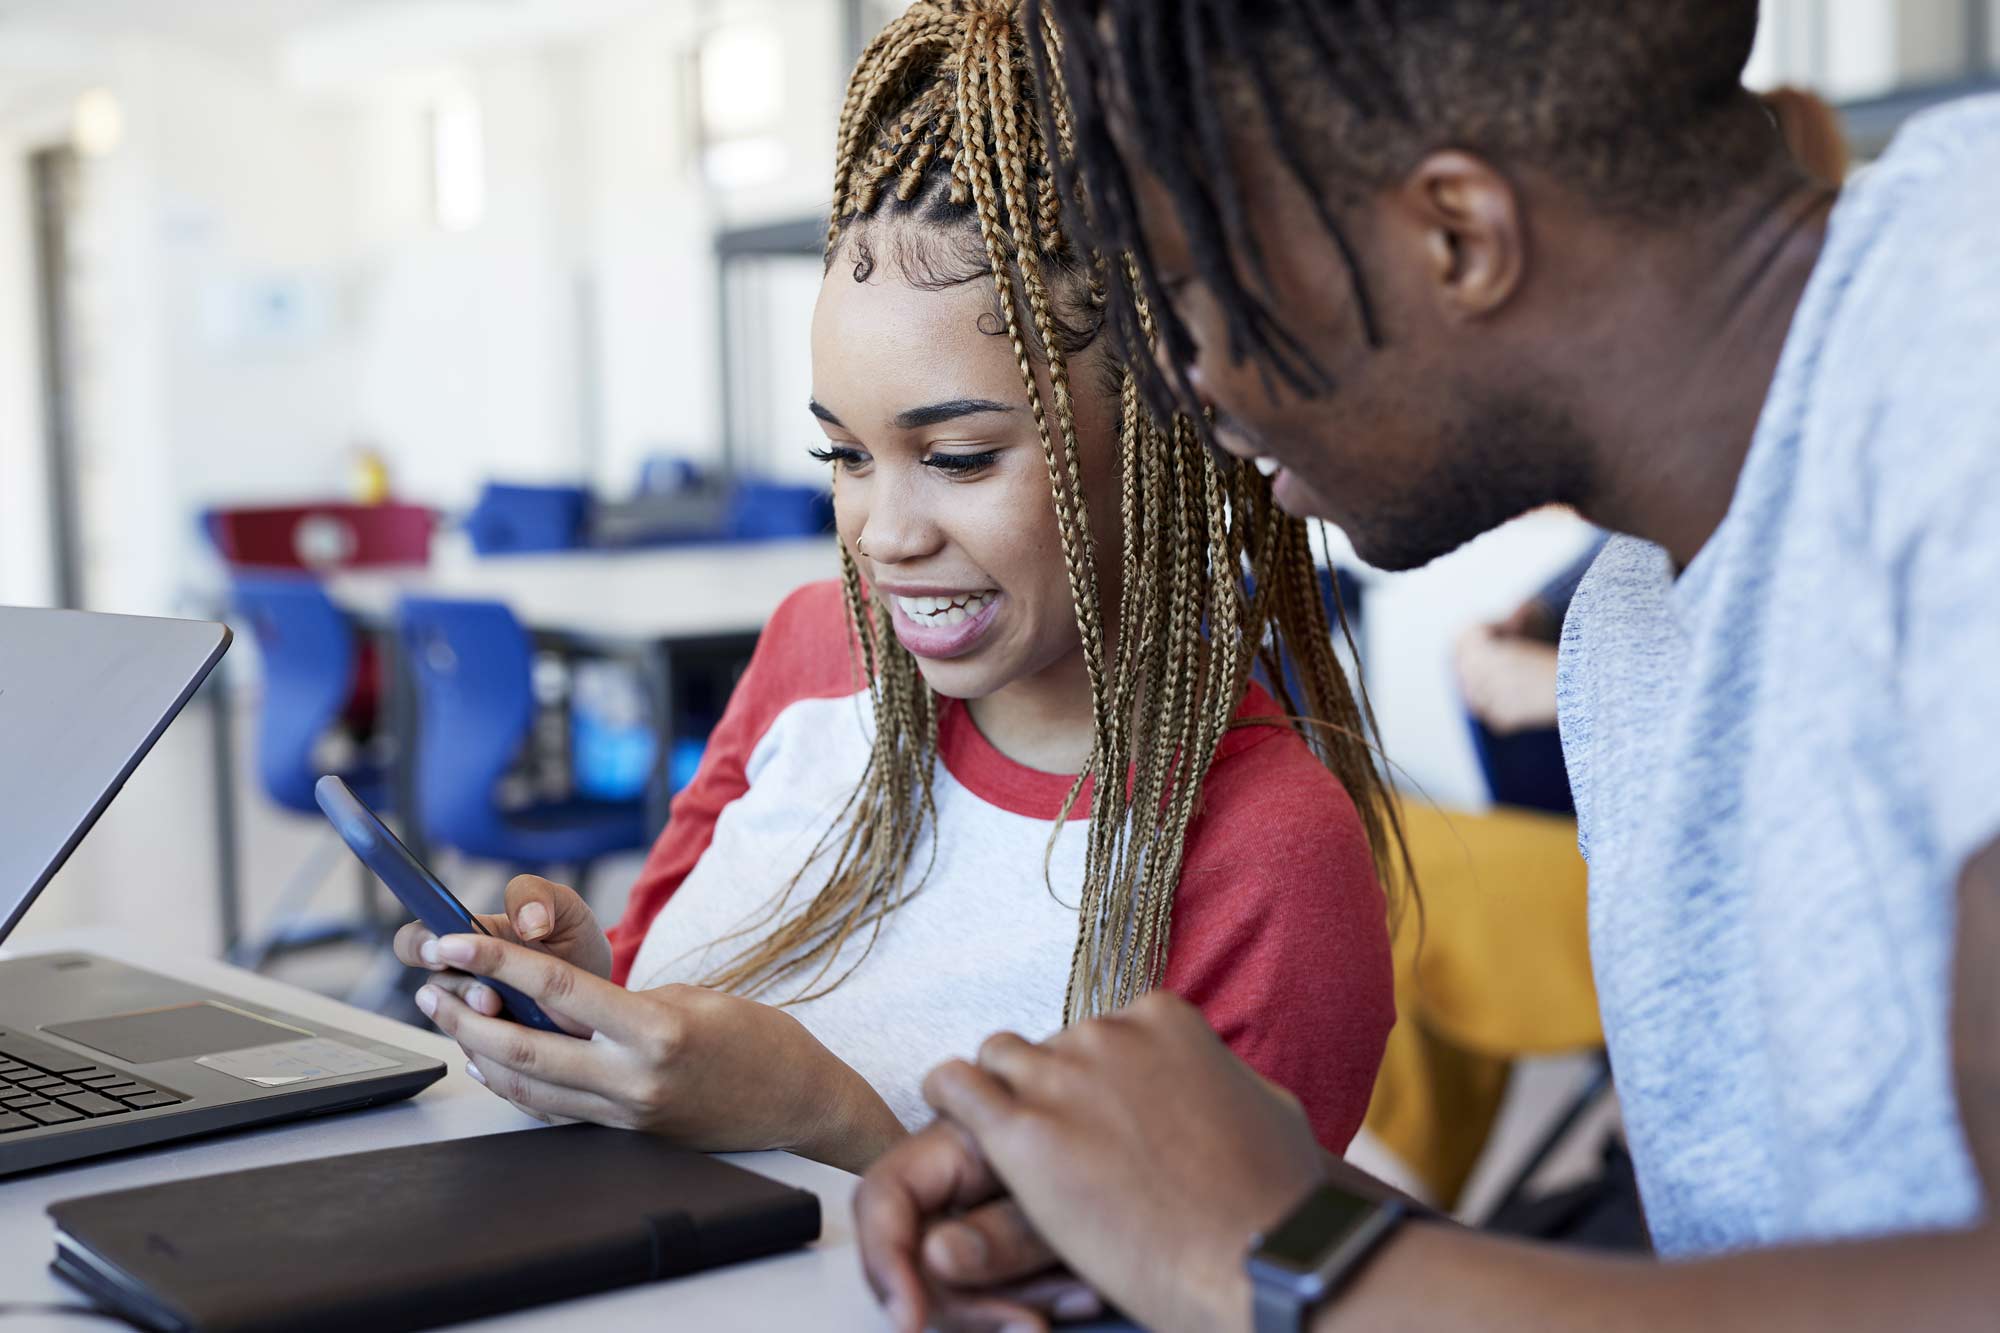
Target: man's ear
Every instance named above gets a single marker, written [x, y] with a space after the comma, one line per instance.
[1467, 217]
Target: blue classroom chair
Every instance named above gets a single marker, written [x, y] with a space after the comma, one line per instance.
[311, 661]
[518, 519]
[472, 666]
[766, 510]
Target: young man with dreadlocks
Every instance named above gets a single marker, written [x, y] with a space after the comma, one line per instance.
[1010, 769]
[1445, 262]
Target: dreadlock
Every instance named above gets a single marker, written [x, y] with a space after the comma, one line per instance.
[1640, 108]
[944, 164]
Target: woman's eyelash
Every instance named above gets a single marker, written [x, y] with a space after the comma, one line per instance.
[845, 456]
[962, 462]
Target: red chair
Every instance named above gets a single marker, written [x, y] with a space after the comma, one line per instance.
[322, 538]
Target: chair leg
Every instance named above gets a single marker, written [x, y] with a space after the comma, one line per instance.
[1598, 1084]
[293, 899]
[386, 989]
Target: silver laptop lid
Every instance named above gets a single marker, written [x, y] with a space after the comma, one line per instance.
[82, 698]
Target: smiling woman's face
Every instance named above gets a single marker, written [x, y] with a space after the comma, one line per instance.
[941, 493]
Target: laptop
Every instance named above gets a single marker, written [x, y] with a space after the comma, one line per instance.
[97, 1056]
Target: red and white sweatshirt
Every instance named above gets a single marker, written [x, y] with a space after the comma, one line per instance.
[1279, 932]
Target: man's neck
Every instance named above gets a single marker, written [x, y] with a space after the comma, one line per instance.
[1697, 348]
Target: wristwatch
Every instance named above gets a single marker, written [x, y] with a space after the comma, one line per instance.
[1306, 1259]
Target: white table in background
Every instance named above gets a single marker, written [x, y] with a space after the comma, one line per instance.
[612, 599]
[818, 1288]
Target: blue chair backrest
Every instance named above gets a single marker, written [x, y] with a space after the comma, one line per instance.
[309, 651]
[472, 664]
[665, 474]
[515, 519]
[766, 510]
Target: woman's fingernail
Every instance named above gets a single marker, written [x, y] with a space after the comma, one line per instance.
[1078, 1305]
[428, 951]
[533, 922]
[472, 1072]
[427, 1000]
[456, 948]
[483, 999]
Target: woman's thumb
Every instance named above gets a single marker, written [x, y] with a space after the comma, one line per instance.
[531, 905]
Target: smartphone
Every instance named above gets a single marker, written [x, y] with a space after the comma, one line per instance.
[412, 883]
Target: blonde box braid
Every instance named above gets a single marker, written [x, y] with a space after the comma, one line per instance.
[939, 106]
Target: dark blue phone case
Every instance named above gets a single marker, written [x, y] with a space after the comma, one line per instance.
[414, 885]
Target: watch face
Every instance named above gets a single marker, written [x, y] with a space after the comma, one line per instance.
[1318, 1225]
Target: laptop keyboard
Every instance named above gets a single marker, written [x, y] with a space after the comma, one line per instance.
[40, 1085]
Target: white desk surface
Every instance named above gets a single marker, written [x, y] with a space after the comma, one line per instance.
[818, 1288]
[627, 597]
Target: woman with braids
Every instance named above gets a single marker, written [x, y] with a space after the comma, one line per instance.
[1010, 770]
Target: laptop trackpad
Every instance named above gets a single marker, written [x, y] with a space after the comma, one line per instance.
[176, 1032]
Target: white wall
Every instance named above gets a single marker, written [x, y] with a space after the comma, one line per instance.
[26, 573]
[465, 342]
[1862, 48]
[239, 200]
[814, 73]
[569, 331]
[647, 235]
[220, 183]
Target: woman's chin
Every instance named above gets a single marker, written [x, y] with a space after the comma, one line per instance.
[962, 679]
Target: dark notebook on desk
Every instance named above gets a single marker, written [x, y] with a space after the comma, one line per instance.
[411, 1238]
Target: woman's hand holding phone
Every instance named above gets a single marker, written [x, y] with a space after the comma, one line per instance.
[703, 1068]
[542, 915]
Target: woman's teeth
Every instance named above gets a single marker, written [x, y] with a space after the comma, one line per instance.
[1268, 466]
[939, 612]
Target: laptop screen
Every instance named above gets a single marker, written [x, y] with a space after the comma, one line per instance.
[83, 696]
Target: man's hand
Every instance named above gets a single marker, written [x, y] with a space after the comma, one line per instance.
[1507, 680]
[548, 917]
[943, 1250]
[1141, 1114]
[703, 1068]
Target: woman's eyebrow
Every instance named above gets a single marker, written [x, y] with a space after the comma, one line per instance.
[916, 418]
[824, 415]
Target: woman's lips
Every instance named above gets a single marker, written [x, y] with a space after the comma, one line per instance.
[943, 642]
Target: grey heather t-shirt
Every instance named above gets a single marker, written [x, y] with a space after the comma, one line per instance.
[1783, 758]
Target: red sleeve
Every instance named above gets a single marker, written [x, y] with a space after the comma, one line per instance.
[805, 652]
[1280, 932]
